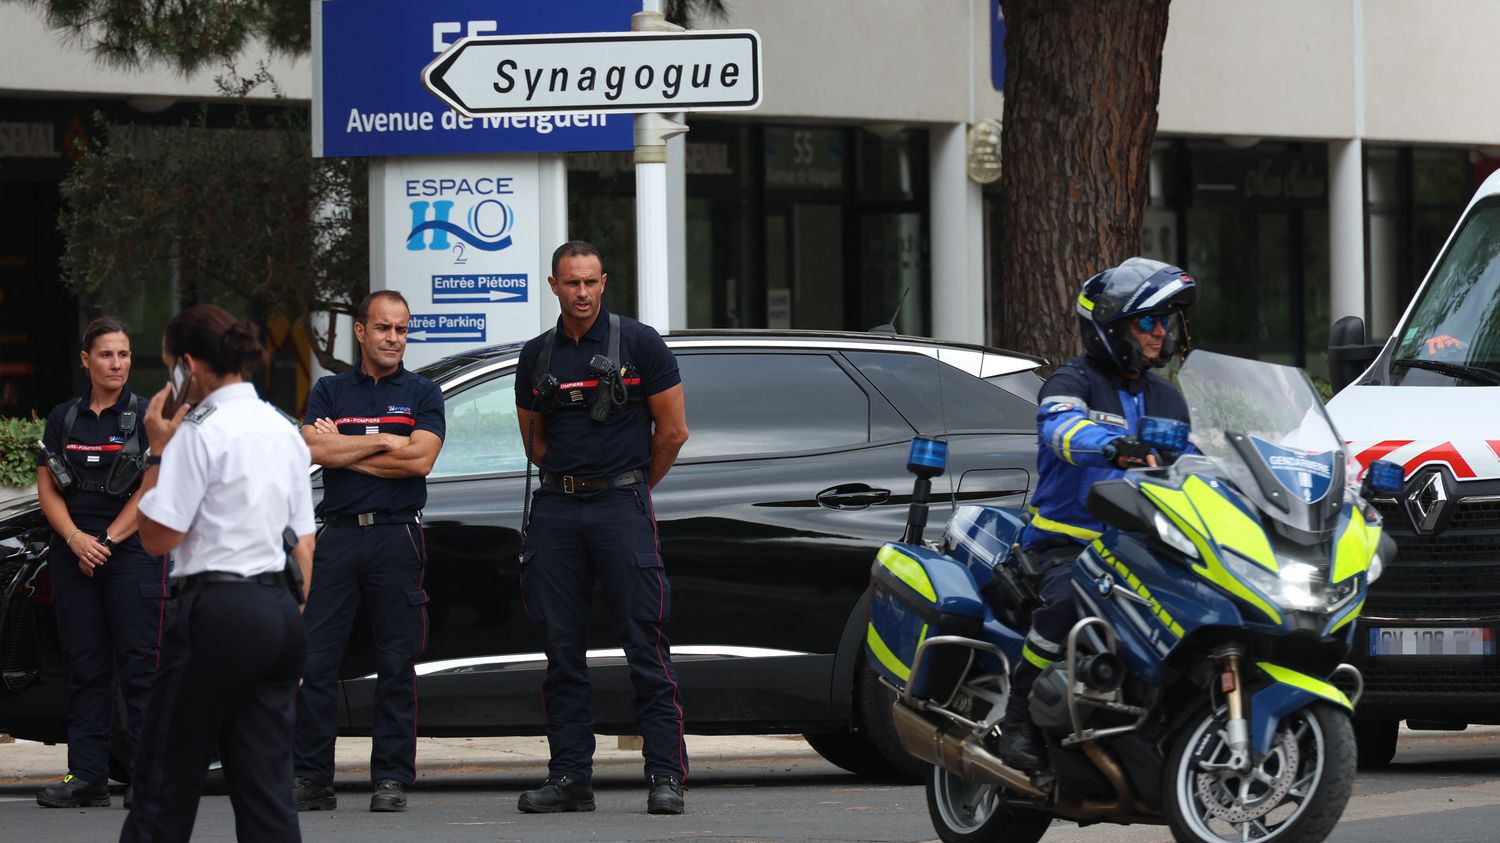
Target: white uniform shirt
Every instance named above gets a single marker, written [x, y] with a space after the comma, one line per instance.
[233, 477]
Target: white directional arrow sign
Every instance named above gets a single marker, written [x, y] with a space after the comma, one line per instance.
[718, 70]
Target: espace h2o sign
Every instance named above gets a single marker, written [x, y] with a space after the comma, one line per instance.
[459, 236]
[621, 72]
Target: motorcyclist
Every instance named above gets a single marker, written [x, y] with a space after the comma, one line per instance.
[1087, 425]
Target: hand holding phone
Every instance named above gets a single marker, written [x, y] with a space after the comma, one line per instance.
[177, 388]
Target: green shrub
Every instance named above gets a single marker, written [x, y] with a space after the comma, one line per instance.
[18, 451]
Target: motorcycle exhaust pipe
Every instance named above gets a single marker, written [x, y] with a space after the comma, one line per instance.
[955, 748]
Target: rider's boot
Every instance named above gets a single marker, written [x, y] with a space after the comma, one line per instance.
[1022, 746]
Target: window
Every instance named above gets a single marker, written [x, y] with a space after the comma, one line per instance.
[927, 392]
[754, 404]
[482, 436]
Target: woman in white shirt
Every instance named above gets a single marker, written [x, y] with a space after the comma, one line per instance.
[232, 478]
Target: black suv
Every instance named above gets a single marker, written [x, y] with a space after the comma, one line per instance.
[793, 476]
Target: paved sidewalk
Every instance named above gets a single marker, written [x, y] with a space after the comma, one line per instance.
[451, 759]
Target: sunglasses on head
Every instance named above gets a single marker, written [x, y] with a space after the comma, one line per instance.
[1146, 324]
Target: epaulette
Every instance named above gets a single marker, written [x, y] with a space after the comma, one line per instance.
[201, 412]
[290, 419]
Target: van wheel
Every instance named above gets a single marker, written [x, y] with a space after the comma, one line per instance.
[875, 701]
[1375, 741]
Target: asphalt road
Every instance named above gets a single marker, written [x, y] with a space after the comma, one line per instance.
[1443, 787]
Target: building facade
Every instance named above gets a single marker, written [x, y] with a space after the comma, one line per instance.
[1309, 165]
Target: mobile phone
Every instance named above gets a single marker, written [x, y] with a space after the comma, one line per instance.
[182, 376]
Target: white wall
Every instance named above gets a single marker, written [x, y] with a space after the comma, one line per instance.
[871, 60]
[1430, 71]
[1262, 68]
[36, 60]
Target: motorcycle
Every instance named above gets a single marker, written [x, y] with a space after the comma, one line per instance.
[1203, 687]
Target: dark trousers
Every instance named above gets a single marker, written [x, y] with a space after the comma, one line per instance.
[109, 624]
[1050, 622]
[612, 536]
[230, 661]
[381, 565]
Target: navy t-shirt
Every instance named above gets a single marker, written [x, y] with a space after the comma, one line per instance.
[400, 403]
[576, 444]
[91, 450]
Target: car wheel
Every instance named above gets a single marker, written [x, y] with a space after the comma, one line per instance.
[852, 752]
[1375, 741]
[875, 701]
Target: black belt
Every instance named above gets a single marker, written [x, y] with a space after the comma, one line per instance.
[366, 519]
[572, 484]
[192, 581]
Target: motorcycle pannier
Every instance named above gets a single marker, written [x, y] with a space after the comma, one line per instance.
[920, 594]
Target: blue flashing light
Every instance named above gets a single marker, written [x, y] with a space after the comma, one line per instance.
[927, 456]
[1385, 476]
[1165, 434]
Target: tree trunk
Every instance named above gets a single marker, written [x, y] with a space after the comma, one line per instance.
[1082, 80]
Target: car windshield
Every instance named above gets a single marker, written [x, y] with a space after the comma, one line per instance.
[1262, 427]
[1452, 337]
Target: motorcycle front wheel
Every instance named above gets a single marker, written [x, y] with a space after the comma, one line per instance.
[965, 811]
[1295, 794]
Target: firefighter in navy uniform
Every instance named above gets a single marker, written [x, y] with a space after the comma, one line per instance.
[110, 593]
[1090, 412]
[601, 407]
[229, 488]
[376, 429]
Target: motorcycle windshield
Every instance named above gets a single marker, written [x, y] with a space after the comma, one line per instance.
[1265, 427]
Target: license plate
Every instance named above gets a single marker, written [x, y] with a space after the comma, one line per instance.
[1432, 641]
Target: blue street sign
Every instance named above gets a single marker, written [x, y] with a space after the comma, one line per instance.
[997, 45]
[446, 327]
[368, 97]
[499, 287]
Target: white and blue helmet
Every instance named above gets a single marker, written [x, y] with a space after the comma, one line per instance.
[1136, 289]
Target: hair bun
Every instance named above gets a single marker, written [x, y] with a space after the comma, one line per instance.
[242, 341]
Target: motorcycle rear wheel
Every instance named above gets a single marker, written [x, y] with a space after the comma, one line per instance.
[1295, 794]
[965, 811]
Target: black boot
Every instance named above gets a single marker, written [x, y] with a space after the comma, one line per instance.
[1022, 746]
[73, 792]
[557, 795]
[389, 796]
[665, 796]
[308, 795]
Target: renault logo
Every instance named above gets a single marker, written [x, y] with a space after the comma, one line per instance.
[1426, 498]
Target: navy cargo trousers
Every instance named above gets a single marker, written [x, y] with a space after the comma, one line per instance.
[381, 565]
[109, 621]
[612, 536]
[1050, 623]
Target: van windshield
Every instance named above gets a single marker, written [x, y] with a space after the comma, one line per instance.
[1453, 335]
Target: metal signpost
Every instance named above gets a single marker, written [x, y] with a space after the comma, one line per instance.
[657, 68]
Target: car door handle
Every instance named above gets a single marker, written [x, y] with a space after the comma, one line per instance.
[852, 496]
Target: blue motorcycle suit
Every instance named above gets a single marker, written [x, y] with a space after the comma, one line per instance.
[1084, 406]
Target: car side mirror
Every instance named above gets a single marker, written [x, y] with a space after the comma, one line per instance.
[1349, 352]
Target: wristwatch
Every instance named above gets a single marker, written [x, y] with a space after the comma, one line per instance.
[105, 540]
[153, 459]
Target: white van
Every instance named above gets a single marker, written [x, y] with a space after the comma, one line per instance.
[1429, 399]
